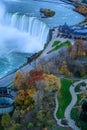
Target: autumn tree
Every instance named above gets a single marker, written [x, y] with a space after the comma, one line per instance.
[79, 48]
[19, 80]
[24, 100]
[34, 76]
[64, 69]
[49, 84]
[31, 91]
[20, 99]
[70, 48]
[21, 94]
[52, 83]
[40, 93]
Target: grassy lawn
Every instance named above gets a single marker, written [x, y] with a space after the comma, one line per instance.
[75, 116]
[64, 97]
[58, 44]
[62, 44]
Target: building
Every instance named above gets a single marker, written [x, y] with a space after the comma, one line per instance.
[6, 101]
[76, 32]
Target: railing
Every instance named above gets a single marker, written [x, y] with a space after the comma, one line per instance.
[6, 104]
[6, 109]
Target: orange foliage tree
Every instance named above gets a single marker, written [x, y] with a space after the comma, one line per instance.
[77, 49]
[31, 91]
[24, 100]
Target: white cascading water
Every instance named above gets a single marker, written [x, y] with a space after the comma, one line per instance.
[34, 31]
[19, 34]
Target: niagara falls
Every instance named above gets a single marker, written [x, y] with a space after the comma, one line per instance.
[21, 36]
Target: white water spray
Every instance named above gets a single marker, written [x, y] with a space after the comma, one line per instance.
[19, 34]
[29, 33]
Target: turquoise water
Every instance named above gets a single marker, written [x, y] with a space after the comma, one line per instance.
[64, 12]
[25, 34]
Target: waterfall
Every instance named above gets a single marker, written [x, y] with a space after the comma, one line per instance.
[20, 36]
[36, 30]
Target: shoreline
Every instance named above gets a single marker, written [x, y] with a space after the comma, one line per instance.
[22, 67]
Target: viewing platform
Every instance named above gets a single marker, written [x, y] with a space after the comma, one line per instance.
[6, 101]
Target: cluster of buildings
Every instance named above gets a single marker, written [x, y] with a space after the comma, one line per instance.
[75, 32]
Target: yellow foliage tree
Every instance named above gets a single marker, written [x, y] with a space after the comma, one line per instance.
[52, 83]
[64, 69]
[20, 99]
[19, 80]
[31, 91]
[21, 94]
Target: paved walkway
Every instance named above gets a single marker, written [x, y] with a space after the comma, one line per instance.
[58, 121]
[71, 123]
[67, 114]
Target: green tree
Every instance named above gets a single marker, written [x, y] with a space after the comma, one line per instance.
[30, 125]
[15, 126]
[5, 121]
[83, 114]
